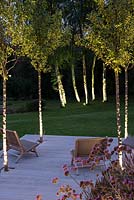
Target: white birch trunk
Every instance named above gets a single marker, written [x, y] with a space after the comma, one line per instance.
[74, 84]
[5, 155]
[40, 108]
[93, 90]
[60, 87]
[104, 91]
[63, 92]
[85, 80]
[126, 102]
[118, 118]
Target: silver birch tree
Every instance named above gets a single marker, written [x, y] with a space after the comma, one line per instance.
[104, 88]
[93, 90]
[60, 87]
[42, 36]
[11, 31]
[110, 36]
[74, 83]
[85, 79]
[126, 102]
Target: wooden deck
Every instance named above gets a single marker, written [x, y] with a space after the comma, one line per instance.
[33, 175]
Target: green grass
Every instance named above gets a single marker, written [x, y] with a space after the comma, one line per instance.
[96, 119]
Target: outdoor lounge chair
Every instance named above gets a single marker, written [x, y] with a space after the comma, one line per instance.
[83, 150]
[21, 145]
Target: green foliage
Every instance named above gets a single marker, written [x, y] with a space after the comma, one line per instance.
[44, 33]
[11, 28]
[110, 33]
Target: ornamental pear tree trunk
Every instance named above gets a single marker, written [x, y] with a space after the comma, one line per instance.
[40, 108]
[118, 116]
[93, 66]
[74, 84]
[104, 91]
[84, 79]
[126, 102]
[5, 155]
[60, 87]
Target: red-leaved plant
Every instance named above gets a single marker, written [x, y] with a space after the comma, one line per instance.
[115, 183]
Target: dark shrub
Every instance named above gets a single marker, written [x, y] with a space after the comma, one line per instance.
[34, 105]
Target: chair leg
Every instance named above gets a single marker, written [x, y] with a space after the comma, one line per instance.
[72, 160]
[1, 155]
[34, 151]
[18, 158]
[77, 172]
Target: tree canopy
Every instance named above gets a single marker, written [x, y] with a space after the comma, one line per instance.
[110, 33]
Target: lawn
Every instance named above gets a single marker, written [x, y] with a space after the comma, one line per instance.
[96, 119]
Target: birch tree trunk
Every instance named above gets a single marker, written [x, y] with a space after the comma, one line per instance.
[93, 66]
[63, 93]
[84, 79]
[74, 84]
[60, 87]
[40, 107]
[118, 116]
[104, 91]
[126, 102]
[5, 155]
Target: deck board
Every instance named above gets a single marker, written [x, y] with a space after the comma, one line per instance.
[33, 175]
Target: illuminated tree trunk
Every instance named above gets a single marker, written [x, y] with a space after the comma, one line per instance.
[118, 118]
[74, 84]
[93, 66]
[84, 79]
[63, 94]
[126, 102]
[60, 87]
[104, 91]
[40, 107]
[5, 155]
